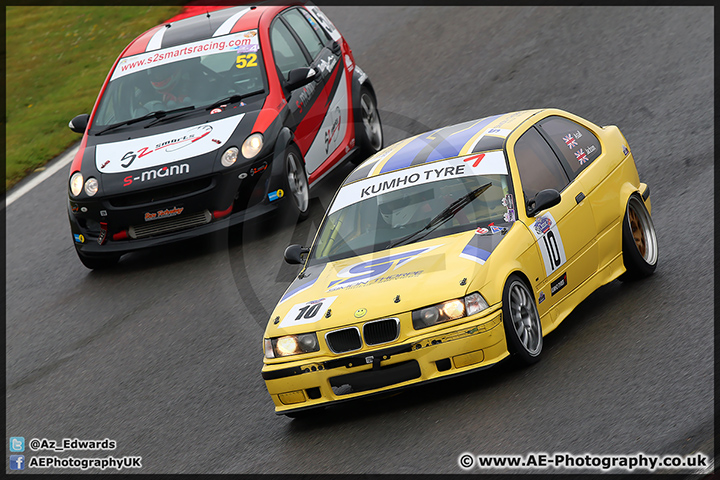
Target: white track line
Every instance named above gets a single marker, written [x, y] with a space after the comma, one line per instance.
[61, 163]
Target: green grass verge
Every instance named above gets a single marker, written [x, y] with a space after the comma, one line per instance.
[56, 61]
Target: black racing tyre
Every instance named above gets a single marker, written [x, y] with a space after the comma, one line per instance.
[521, 320]
[368, 128]
[639, 241]
[97, 262]
[297, 188]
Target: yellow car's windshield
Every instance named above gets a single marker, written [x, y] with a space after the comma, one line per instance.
[380, 220]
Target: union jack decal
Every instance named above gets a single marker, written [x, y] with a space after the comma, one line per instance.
[570, 141]
[581, 156]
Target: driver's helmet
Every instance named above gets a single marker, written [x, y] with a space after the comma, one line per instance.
[398, 208]
[165, 77]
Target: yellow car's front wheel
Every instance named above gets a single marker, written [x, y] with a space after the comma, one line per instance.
[521, 320]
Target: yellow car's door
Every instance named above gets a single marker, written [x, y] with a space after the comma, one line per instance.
[594, 156]
[564, 232]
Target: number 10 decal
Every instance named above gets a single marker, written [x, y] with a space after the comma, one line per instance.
[552, 248]
[307, 312]
[550, 242]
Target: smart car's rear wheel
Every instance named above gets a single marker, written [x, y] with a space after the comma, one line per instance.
[521, 320]
[639, 241]
[98, 262]
[369, 129]
[296, 182]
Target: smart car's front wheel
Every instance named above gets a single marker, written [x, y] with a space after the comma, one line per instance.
[296, 182]
[639, 241]
[521, 320]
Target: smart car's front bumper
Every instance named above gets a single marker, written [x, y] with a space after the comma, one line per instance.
[123, 223]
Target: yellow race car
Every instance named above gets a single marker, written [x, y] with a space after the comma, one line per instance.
[449, 251]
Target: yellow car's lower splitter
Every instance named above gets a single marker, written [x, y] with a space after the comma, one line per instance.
[468, 347]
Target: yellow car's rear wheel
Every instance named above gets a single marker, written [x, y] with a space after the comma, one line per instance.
[639, 240]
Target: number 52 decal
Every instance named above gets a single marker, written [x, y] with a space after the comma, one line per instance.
[308, 312]
[248, 60]
[550, 242]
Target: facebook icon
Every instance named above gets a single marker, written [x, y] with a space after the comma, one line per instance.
[17, 462]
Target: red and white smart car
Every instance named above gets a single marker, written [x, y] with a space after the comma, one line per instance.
[212, 120]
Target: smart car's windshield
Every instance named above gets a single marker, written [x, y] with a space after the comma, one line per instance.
[379, 212]
[193, 75]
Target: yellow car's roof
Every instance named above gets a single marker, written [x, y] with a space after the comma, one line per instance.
[480, 135]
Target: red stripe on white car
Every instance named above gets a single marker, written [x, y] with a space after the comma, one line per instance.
[344, 146]
[156, 40]
[139, 45]
[228, 24]
[303, 133]
[275, 101]
[248, 21]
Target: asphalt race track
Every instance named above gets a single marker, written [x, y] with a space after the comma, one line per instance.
[163, 353]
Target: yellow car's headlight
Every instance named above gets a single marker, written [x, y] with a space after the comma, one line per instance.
[291, 345]
[450, 310]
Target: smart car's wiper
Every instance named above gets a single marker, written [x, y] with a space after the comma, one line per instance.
[165, 118]
[156, 114]
[444, 216]
[232, 99]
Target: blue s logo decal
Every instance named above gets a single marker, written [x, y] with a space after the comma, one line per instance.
[368, 270]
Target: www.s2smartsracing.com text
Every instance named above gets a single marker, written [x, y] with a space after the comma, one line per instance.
[20, 461]
[543, 461]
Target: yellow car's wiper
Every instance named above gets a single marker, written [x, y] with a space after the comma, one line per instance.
[444, 216]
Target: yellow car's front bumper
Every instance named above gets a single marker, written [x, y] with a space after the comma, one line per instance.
[299, 385]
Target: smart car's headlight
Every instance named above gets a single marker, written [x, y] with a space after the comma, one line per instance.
[229, 157]
[252, 145]
[450, 310]
[91, 186]
[76, 184]
[291, 345]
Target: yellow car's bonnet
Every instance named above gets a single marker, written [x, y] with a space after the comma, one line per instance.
[382, 284]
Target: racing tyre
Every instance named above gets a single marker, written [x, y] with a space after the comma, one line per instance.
[98, 262]
[369, 130]
[522, 322]
[296, 183]
[639, 241]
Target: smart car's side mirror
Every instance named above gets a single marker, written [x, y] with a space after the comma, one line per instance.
[79, 123]
[335, 48]
[293, 254]
[544, 199]
[300, 77]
